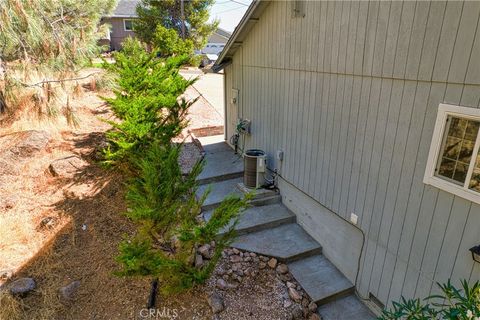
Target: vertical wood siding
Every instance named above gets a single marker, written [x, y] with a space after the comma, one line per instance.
[350, 93]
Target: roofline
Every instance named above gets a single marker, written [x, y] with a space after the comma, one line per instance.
[255, 8]
[121, 16]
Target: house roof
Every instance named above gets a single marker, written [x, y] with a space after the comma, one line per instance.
[249, 19]
[223, 33]
[126, 8]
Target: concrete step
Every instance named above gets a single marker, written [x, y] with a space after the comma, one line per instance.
[322, 281]
[346, 308]
[221, 162]
[287, 243]
[259, 218]
[219, 190]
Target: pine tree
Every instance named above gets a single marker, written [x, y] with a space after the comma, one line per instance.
[167, 13]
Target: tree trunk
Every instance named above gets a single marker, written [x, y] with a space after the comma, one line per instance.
[3, 103]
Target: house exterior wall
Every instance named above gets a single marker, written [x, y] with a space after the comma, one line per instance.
[350, 94]
[118, 33]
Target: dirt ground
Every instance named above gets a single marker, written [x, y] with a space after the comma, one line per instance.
[58, 229]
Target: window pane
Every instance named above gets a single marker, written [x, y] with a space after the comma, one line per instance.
[475, 181]
[457, 150]
[128, 25]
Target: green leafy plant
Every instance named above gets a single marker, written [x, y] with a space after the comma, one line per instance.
[453, 303]
[161, 200]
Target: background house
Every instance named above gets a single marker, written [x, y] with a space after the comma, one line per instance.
[121, 23]
[350, 93]
[216, 42]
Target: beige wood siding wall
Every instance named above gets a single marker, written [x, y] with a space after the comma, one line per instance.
[350, 93]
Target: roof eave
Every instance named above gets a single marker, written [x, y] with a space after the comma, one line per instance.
[239, 34]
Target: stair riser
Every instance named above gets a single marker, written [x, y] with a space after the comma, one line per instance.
[220, 178]
[265, 226]
[256, 203]
[335, 296]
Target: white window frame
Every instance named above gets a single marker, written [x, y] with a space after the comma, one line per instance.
[125, 27]
[445, 110]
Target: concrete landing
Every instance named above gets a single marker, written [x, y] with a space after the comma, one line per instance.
[259, 218]
[320, 278]
[221, 162]
[218, 192]
[287, 243]
[346, 308]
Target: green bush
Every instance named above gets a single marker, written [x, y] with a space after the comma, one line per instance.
[161, 201]
[453, 303]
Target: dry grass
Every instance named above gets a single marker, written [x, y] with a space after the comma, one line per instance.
[10, 307]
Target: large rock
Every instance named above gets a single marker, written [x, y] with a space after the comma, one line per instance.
[294, 294]
[24, 144]
[216, 303]
[68, 292]
[67, 167]
[22, 286]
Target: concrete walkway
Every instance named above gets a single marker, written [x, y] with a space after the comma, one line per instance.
[269, 228]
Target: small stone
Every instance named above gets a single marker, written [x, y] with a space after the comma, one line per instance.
[247, 259]
[216, 303]
[282, 268]
[68, 292]
[272, 263]
[312, 307]
[263, 258]
[225, 277]
[67, 167]
[248, 271]
[224, 254]
[235, 251]
[239, 272]
[198, 261]
[22, 286]
[205, 251]
[220, 272]
[287, 303]
[314, 316]
[212, 243]
[294, 294]
[229, 271]
[290, 284]
[47, 223]
[235, 259]
[241, 254]
[253, 274]
[253, 254]
[262, 265]
[221, 284]
[305, 302]
[297, 313]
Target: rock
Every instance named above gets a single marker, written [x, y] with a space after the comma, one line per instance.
[287, 303]
[22, 286]
[198, 261]
[247, 259]
[282, 268]
[312, 307]
[47, 223]
[290, 284]
[272, 263]
[68, 292]
[239, 272]
[314, 316]
[205, 251]
[216, 303]
[220, 272]
[23, 144]
[221, 284]
[225, 277]
[235, 251]
[67, 167]
[297, 313]
[253, 254]
[262, 265]
[235, 259]
[263, 258]
[305, 303]
[294, 294]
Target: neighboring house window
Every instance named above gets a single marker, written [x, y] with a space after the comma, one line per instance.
[454, 160]
[128, 24]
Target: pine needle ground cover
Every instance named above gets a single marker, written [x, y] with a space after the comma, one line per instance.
[161, 200]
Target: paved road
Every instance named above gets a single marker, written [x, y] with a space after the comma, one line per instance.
[210, 86]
